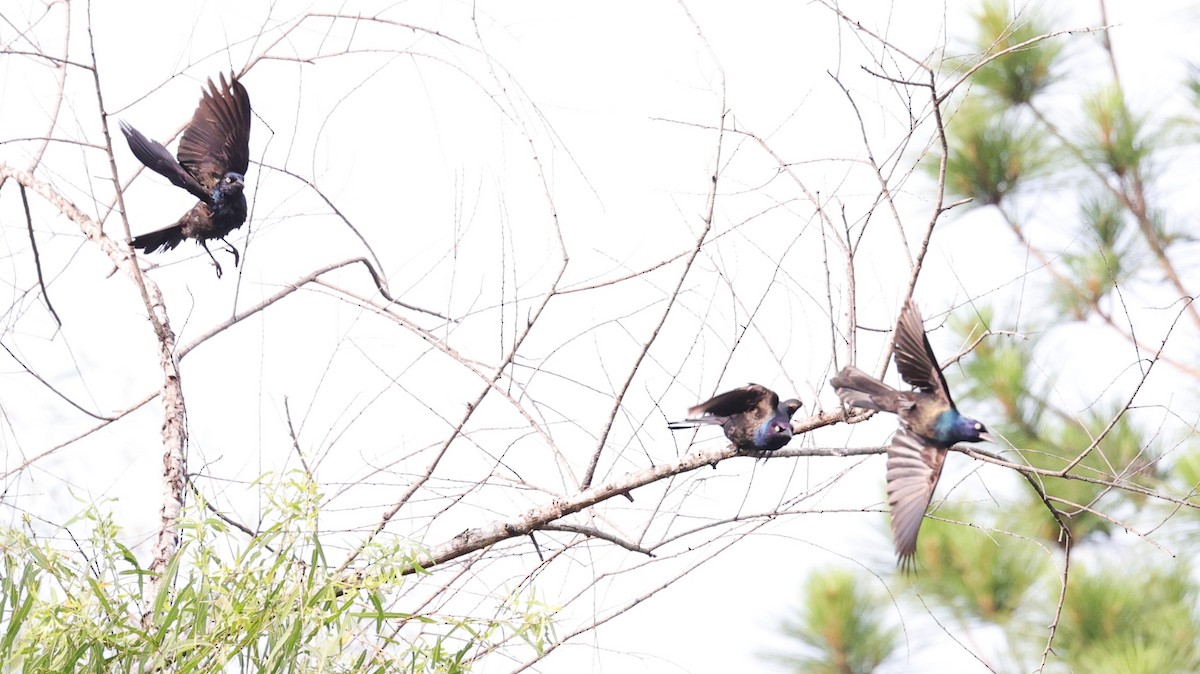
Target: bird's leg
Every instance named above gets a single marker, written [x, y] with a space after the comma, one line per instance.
[229, 247]
[210, 256]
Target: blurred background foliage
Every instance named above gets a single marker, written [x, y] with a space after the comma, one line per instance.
[991, 558]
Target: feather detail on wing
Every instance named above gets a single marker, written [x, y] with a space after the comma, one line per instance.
[158, 159]
[913, 469]
[217, 141]
[739, 401]
[914, 356]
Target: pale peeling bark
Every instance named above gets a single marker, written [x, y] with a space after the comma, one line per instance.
[174, 429]
[546, 517]
[174, 435]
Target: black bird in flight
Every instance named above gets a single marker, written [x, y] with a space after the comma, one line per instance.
[752, 417]
[929, 425]
[214, 154]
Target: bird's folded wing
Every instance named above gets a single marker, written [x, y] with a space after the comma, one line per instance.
[739, 401]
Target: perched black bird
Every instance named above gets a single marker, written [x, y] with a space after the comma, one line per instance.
[214, 154]
[752, 417]
[929, 425]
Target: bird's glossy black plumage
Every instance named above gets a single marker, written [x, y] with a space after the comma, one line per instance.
[929, 425]
[752, 417]
[214, 154]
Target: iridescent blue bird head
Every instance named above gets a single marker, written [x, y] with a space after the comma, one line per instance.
[230, 183]
[952, 427]
[776, 431]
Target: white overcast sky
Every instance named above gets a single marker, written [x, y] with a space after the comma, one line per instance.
[615, 94]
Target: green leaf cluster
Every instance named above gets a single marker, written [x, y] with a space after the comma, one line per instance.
[993, 559]
[267, 603]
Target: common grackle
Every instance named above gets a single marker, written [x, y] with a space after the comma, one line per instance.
[214, 154]
[929, 425]
[752, 417]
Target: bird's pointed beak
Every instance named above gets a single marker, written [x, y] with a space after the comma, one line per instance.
[988, 437]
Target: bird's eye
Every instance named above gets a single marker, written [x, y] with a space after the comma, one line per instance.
[229, 179]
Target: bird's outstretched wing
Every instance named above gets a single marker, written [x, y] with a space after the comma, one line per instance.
[914, 357]
[739, 401]
[217, 141]
[913, 469]
[158, 159]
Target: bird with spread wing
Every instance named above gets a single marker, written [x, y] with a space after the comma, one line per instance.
[751, 416]
[929, 425]
[214, 154]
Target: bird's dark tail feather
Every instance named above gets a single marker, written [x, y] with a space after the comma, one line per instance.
[693, 423]
[859, 389]
[163, 239]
